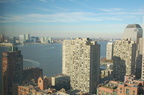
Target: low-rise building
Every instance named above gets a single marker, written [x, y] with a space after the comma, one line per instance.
[32, 73]
[44, 82]
[129, 87]
[61, 81]
[34, 90]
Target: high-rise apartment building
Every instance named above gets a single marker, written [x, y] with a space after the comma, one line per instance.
[124, 58]
[12, 67]
[81, 61]
[142, 51]
[109, 51]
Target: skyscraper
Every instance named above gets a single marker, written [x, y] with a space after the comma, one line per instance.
[124, 58]
[81, 61]
[109, 51]
[12, 67]
[133, 32]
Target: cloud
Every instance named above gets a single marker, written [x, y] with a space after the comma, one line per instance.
[110, 10]
[46, 0]
[9, 1]
[59, 17]
[43, 0]
[114, 14]
[44, 9]
[59, 8]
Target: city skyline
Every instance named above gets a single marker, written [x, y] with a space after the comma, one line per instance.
[69, 18]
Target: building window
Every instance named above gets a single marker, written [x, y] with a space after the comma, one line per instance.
[127, 91]
[120, 90]
[107, 93]
[133, 92]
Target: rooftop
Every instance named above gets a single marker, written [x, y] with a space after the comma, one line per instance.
[133, 26]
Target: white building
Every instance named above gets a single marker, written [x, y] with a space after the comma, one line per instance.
[46, 40]
[81, 61]
[109, 51]
[27, 36]
[22, 38]
[133, 32]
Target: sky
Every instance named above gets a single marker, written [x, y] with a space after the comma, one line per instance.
[69, 18]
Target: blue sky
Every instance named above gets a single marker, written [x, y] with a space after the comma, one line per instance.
[69, 18]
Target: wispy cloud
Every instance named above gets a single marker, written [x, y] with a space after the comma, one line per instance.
[9, 1]
[43, 0]
[58, 8]
[110, 10]
[44, 9]
[46, 0]
[59, 17]
[114, 14]
[50, 8]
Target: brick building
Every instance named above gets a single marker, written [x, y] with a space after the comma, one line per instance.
[12, 67]
[32, 73]
[129, 87]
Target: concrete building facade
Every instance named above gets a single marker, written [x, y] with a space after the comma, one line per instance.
[109, 51]
[142, 51]
[81, 61]
[123, 58]
[12, 67]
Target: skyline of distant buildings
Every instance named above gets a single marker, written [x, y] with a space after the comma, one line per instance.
[80, 67]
